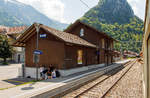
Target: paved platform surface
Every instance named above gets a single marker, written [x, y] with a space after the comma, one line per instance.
[25, 91]
[8, 72]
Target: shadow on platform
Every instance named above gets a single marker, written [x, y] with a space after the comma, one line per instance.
[18, 81]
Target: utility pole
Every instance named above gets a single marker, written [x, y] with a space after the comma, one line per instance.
[37, 46]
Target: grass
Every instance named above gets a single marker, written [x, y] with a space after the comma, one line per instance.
[131, 57]
[5, 63]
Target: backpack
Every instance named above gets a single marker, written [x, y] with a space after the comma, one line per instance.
[57, 73]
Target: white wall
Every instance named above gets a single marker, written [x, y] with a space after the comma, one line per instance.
[76, 70]
[19, 51]
[29, 71]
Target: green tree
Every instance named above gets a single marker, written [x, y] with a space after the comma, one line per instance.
[5, 49]
[130, 33]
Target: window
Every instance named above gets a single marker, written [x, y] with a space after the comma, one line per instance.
[103, 43]
[81, 32]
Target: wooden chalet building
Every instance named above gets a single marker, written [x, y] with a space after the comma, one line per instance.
[70, 51]
[103, 42]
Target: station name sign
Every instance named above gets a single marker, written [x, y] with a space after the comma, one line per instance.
[43, 35]
[38, 52]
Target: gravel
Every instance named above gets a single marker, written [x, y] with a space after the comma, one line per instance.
[130, 86]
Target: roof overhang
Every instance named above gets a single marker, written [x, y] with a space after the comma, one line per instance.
[20, 42]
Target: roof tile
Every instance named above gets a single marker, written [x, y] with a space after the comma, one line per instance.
[14, 30]
[67, 37]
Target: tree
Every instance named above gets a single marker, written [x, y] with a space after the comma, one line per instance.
[127, 33]
[5, 49]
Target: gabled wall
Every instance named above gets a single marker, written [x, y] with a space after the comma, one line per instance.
[53, 51]
[89, 34]
[94, 37]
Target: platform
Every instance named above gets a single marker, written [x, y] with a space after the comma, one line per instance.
[49, 88]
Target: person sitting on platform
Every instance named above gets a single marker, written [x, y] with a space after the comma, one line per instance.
[49, 73]
[51, 67]
[45, 73]
[54, 73]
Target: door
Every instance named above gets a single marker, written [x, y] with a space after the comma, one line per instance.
[18, 58]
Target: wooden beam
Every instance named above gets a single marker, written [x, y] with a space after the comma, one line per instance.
[31, 34]
[28, 34]
[20, 44]
[24, 33]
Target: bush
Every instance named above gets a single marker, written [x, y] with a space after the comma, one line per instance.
[5, 63]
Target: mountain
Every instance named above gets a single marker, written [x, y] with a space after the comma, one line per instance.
[117, 19]
[14, 13]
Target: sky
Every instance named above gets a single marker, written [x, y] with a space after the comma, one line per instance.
[68, 11]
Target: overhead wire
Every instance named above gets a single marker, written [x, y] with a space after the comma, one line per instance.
[85, 4]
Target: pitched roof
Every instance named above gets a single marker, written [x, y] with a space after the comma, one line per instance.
[80, 22]
[12, 30]
[66, 37]
[3, 29]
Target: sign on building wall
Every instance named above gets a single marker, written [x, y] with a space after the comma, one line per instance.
[80, 57]
[38, 52]
[97, 52]
[36, 56]
[42, 35]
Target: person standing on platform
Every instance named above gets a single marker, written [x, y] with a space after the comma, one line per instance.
[41, 72]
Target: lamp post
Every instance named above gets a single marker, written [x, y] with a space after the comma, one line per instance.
[37, 46]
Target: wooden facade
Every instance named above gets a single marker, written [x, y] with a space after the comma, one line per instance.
[67, 50]
[95, 37]
[89, 56]
[59, 49]
[52, 51]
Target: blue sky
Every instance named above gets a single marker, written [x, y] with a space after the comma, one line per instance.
[67, 11]
[75, 9]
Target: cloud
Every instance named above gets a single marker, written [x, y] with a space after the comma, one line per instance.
[54, 9]
[138, 7]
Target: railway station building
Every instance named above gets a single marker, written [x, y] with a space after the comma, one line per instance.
[104, 43]
[75, 49]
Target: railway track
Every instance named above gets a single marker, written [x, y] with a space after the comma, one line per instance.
[100, 87]
[107, 92]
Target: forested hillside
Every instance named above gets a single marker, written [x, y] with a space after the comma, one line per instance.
[117, 19]
[14, 13]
